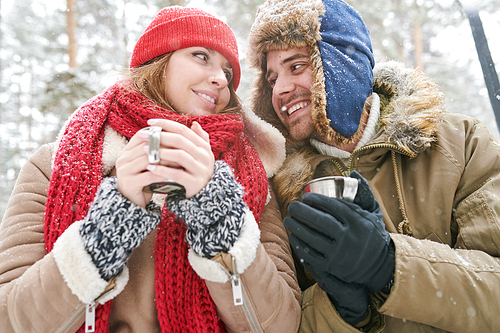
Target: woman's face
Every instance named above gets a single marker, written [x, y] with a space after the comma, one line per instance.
[197, 81]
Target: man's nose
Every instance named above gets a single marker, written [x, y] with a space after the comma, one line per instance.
[283, 86]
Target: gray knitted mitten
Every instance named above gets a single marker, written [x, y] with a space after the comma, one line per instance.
[114, 226]
[215, 215]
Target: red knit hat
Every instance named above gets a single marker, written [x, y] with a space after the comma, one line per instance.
[175, 28]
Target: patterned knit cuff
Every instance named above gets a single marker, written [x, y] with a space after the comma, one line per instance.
[215, 215]
[79, 272]
[114, 226]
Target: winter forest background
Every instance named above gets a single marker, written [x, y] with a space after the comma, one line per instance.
[54, 55]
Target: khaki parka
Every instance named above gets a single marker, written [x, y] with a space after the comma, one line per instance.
[34, 297]
[436, 176]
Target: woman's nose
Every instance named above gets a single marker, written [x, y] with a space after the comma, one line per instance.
[219, 78]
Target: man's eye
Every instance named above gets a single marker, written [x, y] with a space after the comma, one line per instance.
[271, 82]
[297, 66]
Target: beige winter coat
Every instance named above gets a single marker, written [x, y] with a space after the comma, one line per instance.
[436, 176]
[35, 298]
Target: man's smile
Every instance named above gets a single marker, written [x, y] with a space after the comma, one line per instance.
[295, 107]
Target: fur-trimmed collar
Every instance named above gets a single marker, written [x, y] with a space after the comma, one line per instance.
[410, 116]
[412, 106]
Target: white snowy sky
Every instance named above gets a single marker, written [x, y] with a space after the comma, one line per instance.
[456, 41]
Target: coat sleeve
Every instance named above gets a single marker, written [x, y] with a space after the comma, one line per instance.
[270, 288]
[456, 288]
[33, 294]
[319, 315]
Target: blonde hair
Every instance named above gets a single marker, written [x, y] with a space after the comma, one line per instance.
[149, 80]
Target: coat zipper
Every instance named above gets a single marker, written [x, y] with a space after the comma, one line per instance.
[89, 312]
[238, 299]
[72, 320]
[404, 226]
[90, 317]
[238, 295]
[90, 309]
[345, 171]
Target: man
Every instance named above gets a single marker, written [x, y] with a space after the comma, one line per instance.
[418, 250]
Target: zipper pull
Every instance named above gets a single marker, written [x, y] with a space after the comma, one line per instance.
[236, 283]
[89, 318]
[237, 292]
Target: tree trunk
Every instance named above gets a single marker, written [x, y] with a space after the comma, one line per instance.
[417, 38]
[419, 48]
[1, 46]
[71, 29]
[177, 2]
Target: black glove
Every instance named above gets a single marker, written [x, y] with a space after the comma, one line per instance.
[350, 299]
[364, 196]
[343, 239]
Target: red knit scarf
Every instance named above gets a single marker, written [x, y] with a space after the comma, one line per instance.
[182, 299]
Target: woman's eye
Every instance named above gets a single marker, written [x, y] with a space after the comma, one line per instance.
[297, 66]
[229, 76]
[201, 55]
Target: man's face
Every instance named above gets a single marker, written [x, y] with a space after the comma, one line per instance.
[289, 73]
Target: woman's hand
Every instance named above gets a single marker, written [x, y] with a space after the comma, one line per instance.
[132, 170]
[185, 157]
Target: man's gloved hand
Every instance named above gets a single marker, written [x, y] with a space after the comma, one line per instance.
[347, 240]
[364, 196]
[351, 300]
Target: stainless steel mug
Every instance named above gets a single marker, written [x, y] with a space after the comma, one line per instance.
[334, 186]
[170, 187]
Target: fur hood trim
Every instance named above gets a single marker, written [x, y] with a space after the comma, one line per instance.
[411, 113]
[415, 109]
[280, 25]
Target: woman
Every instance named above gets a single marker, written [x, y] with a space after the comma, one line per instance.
[84, 239]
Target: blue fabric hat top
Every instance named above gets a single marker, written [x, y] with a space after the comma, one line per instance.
[348, 62]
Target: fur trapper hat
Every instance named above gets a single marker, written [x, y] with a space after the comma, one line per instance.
[341, 57]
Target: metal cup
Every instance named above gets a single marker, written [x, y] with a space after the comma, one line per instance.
[154, 144]
[170, 187]
[334, 187]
